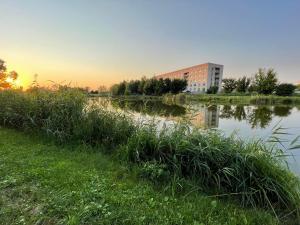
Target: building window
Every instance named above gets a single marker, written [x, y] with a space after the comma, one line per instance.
[186, 75]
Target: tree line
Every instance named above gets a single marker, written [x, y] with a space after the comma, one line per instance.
[150, 86]
[264, 82]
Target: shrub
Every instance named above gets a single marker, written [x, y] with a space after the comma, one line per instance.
[242, 84]
[219, 164]
[212, 90]
[285, 89]
[265, 81]
[229, 85]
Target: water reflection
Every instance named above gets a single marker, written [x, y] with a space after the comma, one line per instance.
[256, 116]
[151, 107]
[204, 115]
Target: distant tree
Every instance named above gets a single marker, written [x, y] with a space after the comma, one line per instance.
[114, 89]
[149, 87]
[285, 89]
[122, 88]
[94, 92]
[167, 85]
[160, 87]
[178, 85]
[229, 85]
[102, 88]
[242, 84]
[212, 90]
[133, 86]
[6, 78]
[265, 81]
[142, 85]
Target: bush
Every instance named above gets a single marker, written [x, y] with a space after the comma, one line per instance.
[212, 90]
[219, 164]
[285, 89]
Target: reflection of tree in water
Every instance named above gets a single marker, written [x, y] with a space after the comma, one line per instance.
[236, 112]
[260, 117]
[226, 112]
[239, 113]
[150, 107]
[282, 111]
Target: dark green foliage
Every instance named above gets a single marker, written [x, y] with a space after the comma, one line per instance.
[149, 87]
[285, 89]
[178, 85]
[219, 164]
[229, 85]
[155, 172]
[242, 84]
[212, 90]
[64, 115]
[265, 81]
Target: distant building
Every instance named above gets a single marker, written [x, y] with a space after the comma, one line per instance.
[200, 77]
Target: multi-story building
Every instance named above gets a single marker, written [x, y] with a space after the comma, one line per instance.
[200, 77]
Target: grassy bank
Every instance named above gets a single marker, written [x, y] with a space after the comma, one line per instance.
[252, 174]
[41, 183]
[245, 99]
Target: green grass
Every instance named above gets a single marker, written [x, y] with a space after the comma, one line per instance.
[42, 183]
[244, 99]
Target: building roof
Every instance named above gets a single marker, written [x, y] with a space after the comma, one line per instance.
[191, 67]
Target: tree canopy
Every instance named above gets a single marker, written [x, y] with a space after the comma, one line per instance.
[150, 86]
[6, 78]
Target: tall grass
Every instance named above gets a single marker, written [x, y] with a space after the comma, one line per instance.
[64, 114]
[223, 166]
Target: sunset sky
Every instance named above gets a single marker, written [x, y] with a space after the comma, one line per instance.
[92, 43]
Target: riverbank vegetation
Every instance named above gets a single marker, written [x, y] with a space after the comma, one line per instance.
[43, 183]
[240, 99]
[252, 174]
[265, 82]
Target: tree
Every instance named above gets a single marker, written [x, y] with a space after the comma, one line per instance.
[114, 89]
[285, 89]
[122, 88]
[141, 85]
[167, 85]
[149, 87]
[102, 88]
[160, 87]
[178, 85]
[212, 90]
[229, 85]
[265, 81]
[133, 86]
[242, 84]
[6, 78]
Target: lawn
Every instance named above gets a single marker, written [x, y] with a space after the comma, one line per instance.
[43, 183]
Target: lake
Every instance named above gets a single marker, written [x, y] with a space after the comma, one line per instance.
[246, 121]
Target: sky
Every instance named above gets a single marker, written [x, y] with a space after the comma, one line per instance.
[93, 43]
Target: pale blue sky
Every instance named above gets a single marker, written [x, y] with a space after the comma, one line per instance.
[102, 42]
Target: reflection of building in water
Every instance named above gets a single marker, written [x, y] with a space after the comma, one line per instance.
[206, 117]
